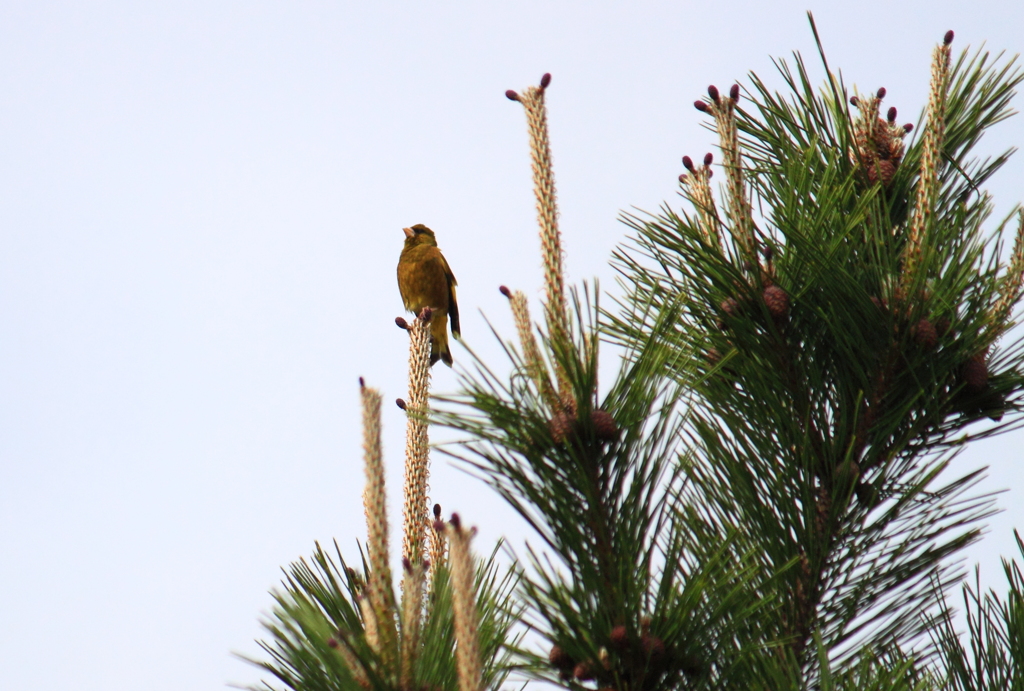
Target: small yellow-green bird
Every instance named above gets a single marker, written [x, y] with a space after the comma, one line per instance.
[426, 280]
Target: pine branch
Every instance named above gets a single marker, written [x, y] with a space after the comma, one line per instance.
[829, 383]
[334, 629]
[993, 657]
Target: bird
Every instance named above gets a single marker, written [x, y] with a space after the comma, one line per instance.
[426, 280]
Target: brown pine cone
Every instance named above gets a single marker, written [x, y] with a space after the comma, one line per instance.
[926, 335]
[730, 307]
[713, 357]
[896, 148]
[883, 138]
[975, 374]
[562, 427]
[583, 671]
[559, 659]
[882, 170]
[605, 428]
[777, 301]
[620, 638]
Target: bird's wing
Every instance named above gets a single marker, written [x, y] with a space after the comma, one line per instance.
[401, 286]
[453, 306]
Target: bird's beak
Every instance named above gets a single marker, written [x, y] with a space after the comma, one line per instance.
[409, 232]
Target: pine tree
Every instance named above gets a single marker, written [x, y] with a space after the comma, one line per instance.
[336, 627]
[760, 497]
[841, 343]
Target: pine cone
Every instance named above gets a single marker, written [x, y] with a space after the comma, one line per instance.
[777, 301]
[896, 147]
[926, 335]
[562, 427]
[605, 428]
[883, 138]
[620, 638]
[713, 357]
[730, 307]
[881, 170]
[975, 374]
[583, 671]
[559, 659]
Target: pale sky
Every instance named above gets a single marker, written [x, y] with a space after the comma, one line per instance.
[201, 207]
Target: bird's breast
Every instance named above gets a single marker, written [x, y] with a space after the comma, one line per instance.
[422, 282]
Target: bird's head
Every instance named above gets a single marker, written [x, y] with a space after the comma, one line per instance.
[419, 234]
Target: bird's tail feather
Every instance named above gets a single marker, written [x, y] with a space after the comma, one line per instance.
[439, 349]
